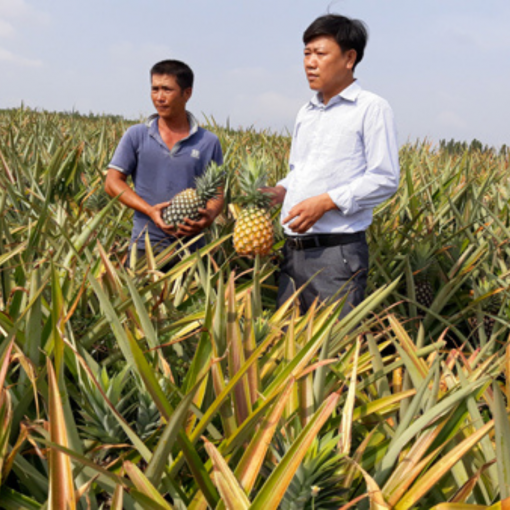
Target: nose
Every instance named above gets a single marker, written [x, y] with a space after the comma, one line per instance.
[310, 61]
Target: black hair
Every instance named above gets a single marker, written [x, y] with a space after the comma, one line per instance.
[350, 34]
[182, 72]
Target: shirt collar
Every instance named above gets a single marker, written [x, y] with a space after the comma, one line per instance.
[350, 94]
[152, 123]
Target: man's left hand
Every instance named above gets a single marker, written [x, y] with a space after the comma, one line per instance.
[192, 228]
[308, 212]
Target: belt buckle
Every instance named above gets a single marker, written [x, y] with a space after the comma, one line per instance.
[296, 243]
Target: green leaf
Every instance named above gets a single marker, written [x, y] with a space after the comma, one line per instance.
[170, 433]
[502, 426]
[232, 494]
[62, 496]
[274, 489]
[154, 498]
[427, 481]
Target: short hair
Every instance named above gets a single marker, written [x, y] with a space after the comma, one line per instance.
[350, 34]
[182, 72]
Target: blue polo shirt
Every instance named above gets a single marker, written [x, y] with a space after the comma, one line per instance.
[159, 173]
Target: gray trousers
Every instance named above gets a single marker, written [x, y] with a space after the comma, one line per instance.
[325, 270]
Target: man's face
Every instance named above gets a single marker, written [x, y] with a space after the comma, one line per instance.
[168, 98]
[328, 69]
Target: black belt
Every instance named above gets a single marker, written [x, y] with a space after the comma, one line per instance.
[322, 240]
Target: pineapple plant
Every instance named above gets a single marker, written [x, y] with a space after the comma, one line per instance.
[488, 292]
[187, 203]
[253, 230]
[47, 297]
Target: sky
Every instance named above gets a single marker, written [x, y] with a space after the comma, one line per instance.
[444, 65]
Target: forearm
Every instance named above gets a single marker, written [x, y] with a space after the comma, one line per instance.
[215, 205]
[127, 196]
[116, 186]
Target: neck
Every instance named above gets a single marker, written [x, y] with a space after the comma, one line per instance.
[175, 123]
[328, 95]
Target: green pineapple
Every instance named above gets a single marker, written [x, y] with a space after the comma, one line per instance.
[492, 299]
[253, 231]
[186, 203]
[317, 482]
[97, 200]
[99, 422]
[423, 265]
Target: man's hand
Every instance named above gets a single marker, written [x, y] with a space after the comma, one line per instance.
[308, 212]
[193, 228]
[207, 215]
[277, 194]
[155, 214]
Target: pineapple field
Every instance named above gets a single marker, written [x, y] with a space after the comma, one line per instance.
[125, 387]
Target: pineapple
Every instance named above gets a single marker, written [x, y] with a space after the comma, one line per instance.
[253, 230]
[97, 200]
[492, 308]
[488, 292]
[186, 203]
[423, 266]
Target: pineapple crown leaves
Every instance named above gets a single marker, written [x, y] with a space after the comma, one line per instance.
[252, 177]
[489, 293]
[423, 261]
[209, 183]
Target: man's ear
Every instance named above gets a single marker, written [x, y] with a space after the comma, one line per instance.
[187, 93]
[351, 58]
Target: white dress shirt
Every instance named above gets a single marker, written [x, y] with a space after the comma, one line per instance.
[348, 149]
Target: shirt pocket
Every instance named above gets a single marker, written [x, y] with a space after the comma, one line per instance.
[340, 150]
[340, 142]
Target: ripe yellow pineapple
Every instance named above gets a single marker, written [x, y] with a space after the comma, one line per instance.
[253, 230]
[186, 203]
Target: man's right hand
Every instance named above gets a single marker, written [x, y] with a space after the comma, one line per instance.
[277, 194]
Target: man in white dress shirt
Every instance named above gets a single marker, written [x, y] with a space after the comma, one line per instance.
[343, 163]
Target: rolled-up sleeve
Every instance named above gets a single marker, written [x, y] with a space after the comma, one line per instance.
[125, 157]
[381, 177]
[217, 155]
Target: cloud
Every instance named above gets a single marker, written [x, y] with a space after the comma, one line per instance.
[278, 105]
[13, 8]
[450, 119]
[250, 80]
[271, 109]
[127, 52]
[470, 32]
[19, 12]
[258, 96]
[6, 29]
[249, 73]
[9, 56]
[20, 9]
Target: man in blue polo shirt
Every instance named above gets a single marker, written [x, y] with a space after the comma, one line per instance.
[163, 157]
